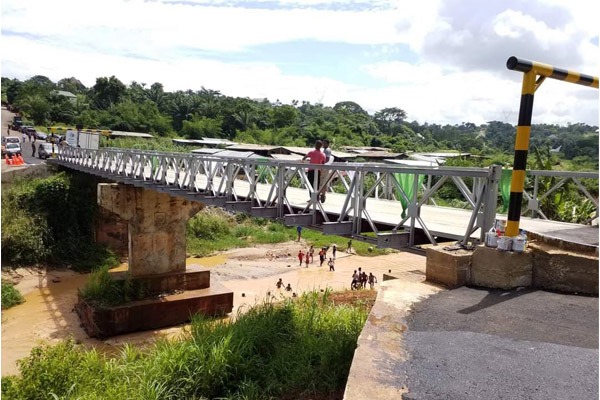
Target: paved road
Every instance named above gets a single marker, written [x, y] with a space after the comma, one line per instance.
[7, 117]
[480, 344]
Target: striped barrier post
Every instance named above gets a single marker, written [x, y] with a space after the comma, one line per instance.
[531, 82]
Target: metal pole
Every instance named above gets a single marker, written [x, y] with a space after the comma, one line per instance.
[521, 151]
[531, 70]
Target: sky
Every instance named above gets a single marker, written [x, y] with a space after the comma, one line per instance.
[441, 61]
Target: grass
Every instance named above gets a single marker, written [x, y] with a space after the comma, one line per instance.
[299, 349]
[214, 229]
[10, 296]
[102, 290]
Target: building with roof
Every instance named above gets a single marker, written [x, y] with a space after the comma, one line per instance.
[116, 134]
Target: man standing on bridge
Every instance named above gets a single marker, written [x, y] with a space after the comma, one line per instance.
[317, 157]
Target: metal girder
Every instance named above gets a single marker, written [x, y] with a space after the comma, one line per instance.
[271, 188]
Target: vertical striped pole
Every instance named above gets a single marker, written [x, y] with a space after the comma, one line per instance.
[521, 150]
[531, 69]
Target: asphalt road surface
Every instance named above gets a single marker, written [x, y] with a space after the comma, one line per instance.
[484, 344]
[7, 117]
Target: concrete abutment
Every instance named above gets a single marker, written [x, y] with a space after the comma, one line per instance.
[151, 225]
[539, 266]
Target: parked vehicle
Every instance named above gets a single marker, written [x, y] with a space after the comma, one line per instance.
[16, 123]
[11, 149]
[10, 139]
[45, 150]
[40, 135]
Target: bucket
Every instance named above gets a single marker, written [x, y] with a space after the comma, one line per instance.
[518, 244]
[500, 225]
[491, 239]
[504, 243]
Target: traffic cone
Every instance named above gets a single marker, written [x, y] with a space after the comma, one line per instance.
[15, 160]
[7, 160]
[21, 161]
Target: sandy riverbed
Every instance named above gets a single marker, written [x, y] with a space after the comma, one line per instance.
[48, 316]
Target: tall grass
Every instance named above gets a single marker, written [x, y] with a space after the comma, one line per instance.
[10, 296]
[103, 290]
[214, 229]
[295, 349]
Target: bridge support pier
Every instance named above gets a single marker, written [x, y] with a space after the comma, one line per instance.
[157, 254]
[157, 225]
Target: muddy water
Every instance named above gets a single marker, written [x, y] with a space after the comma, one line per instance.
[48, 315]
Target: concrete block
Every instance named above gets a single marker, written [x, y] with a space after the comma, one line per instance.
[449, 268]
[556, 269]
[497, 269]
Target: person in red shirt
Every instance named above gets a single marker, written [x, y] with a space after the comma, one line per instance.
[316, 156]
[300, 256]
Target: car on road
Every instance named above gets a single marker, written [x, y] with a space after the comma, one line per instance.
[11, 149]
[45, 150]
[40, 135]
[10, 139]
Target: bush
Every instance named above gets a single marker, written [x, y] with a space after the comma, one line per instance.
[50, 220]
[10, 296]
[102, 290]
[297, 349]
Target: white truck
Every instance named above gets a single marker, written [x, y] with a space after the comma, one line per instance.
[83, 139]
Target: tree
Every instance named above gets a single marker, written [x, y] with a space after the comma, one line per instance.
[36, 106]
[349, 107]
[388, 118]
[107, 92]
[72, 85]
[284, 115]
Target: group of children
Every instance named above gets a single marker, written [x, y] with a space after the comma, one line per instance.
[360, 279]
[308, 257]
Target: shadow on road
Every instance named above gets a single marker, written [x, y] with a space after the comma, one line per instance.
[495, 297]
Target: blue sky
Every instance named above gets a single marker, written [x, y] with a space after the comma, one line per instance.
[442, 61]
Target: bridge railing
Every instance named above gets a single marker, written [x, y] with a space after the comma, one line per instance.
[279, 189]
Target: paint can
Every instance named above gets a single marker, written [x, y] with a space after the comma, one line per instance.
[504, 243]
[500, 226]
[518, 244]
[491, 239]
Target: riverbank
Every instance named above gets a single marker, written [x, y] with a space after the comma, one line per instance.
[48, 316]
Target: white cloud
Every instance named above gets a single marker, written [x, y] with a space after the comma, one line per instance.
[456, 71]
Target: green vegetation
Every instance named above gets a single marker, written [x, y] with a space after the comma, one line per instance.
[214, 229]
[10, 296]
[111, 104]
[296, 349]
[50, 220]
[102, 290]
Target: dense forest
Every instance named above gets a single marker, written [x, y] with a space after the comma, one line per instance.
[111, 104]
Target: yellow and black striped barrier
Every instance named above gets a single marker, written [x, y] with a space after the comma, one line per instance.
[103, 132]
[531, 70]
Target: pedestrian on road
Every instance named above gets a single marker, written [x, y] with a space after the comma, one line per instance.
[24, 136]
[8, 130]
[321, 257]
[349, 248]
[300, 257]
[299, 230]
[311, 251]
[372, 280]
[331, 264]
[334, 247]
[307, 259]
[33, 149]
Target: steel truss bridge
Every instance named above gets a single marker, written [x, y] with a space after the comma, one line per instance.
[388, 205]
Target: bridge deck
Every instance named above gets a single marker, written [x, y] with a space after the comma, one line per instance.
[444, 222]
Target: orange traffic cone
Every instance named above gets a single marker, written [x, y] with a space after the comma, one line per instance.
[7, 160]
[21, 161]
[15, 160]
